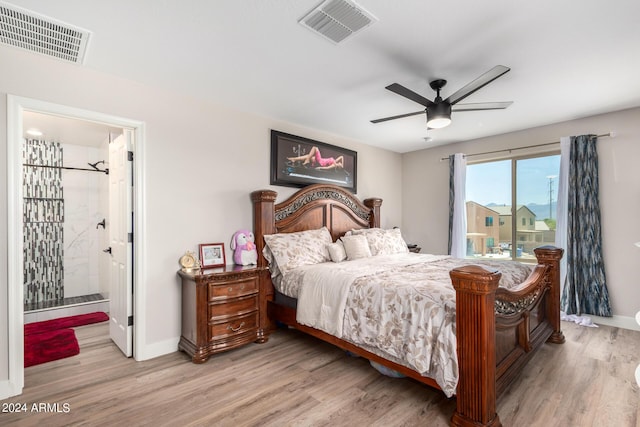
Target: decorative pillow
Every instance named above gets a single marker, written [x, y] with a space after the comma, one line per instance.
[383, 242]
[291, 250]
[356, 247]
[336, 251]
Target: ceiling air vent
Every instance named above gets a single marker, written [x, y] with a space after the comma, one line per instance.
[337, 19]
[28, 30]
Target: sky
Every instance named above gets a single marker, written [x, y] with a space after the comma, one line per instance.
[490, 182]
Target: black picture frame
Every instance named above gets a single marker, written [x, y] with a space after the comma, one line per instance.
[341, 171]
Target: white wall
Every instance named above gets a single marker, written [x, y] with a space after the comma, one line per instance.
[425, 184]
[84, 201]
[201, 163]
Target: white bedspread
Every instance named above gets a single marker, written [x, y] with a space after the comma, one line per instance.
[324, 288]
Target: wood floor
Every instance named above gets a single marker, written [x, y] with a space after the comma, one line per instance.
[294, 380]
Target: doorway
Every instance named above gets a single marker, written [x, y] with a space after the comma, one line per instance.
[17, 109]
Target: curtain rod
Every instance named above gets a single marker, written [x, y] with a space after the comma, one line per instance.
[106, 171]
[520, 148]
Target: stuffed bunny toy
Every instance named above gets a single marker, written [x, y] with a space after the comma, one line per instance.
[244, 248]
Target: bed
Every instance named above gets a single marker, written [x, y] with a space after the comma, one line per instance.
[497, 329]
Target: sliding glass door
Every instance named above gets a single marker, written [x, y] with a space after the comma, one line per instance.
[511, 206]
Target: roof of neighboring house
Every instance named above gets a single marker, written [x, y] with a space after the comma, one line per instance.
[542, 226]
[502, 210]
[483, 206]
[505, 210]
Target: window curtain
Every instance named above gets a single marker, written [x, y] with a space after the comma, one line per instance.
[457, 206]
[561, 207]
[585, 290]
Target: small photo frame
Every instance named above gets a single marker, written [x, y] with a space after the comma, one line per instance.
[212, 255]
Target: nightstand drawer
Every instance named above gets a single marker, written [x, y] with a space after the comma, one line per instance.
[234, 326]
[233, 307]
[233, 289]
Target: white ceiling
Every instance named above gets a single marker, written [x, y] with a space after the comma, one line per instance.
[568, 59]
[68, 131]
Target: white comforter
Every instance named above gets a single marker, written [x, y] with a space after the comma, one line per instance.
[401, 307]
[322, 295]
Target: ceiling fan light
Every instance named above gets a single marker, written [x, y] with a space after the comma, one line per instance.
[439, 114]
[438, 122]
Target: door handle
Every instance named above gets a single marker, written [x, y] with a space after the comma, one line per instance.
[108, 250]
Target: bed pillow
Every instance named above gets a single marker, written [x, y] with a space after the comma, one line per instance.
[356, 247]
[383, 242]
[291, 250]
[273, 265]
[336, 251]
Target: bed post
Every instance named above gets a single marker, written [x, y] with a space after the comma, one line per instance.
[476, 339]
[263, 223]
[551, 256]
[374, 204]
[263, 219]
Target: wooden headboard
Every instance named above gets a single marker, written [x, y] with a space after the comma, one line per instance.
[311, 208]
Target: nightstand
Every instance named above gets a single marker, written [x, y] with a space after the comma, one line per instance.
[220, 310]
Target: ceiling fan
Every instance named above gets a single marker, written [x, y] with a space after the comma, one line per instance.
[439, 111]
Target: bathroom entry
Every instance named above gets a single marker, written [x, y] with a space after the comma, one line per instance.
[77, 194]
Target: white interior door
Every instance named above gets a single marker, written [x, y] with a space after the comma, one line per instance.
[120, 225]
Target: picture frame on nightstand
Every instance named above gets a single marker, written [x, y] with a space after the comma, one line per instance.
[212, 255]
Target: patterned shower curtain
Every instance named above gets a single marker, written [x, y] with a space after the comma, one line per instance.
[585, 289]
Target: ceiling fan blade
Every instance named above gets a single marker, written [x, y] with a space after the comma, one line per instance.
[398, 117]
[478, 83]
[481, 106]
[408, 93]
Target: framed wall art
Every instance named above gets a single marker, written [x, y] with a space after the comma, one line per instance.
[212, 255]
[298, 162]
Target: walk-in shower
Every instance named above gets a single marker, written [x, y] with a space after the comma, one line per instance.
[65, 224]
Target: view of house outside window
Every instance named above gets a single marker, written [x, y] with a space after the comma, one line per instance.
[491, 205]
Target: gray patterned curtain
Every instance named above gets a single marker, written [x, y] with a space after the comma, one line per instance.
[451, 199]
[585, 290]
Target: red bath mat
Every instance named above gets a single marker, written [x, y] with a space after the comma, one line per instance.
[65, 322]
[52, 339]
[48, 346]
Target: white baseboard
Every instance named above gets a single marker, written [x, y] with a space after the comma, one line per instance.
[624, 322]
[151, 351]
[9, 389]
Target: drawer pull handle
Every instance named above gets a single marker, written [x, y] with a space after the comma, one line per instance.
[235, 329]
[230, 289]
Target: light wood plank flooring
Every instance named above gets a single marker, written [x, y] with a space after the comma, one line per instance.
[295, 380]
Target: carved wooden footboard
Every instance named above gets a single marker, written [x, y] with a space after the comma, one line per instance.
[497, 330]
